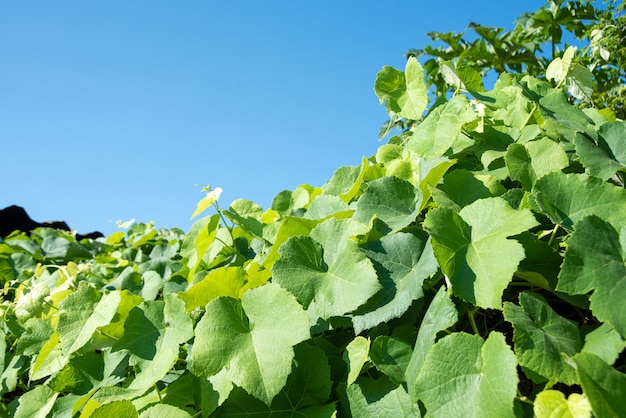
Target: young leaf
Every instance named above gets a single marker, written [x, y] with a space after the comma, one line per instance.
[466, 243]
[542, 338]
[466, 376]
[253, 339]
[355, 356]
[552, 404]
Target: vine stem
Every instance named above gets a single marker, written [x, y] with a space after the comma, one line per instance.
[470, 316]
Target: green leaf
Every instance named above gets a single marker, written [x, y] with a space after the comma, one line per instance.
[80, 314]
[161, 411]
[441, 314]
[560, 67]
[606, 157]
[466, 243]
[466, 376]
[36, 403]
[403, 261]
[543, 339]
[414, 102]
[393, 200]
[391, 356]
[223, 281]
[123, 408]
[441, 128]
[306, 393]
[604, 386]
[379, 398]
[552, 404]
[30, 302]
[326, 271]
[580, 82]
[461, 78]
[355, 356]
[404, 94]
[595, 260]
[463, 187]
[211, 197]
[198, 241]
[175, 328]
[253, 339]
[346, 181]
[567, 198]
[605, 343]
[531, 161]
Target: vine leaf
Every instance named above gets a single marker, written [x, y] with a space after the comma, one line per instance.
[463, 375]
[403, 261]
[326, 271]
[252, 338]
[604, 386]
[541, 338]
[595, 260]
[466, 243]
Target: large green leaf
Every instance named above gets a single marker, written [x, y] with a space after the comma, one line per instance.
[595, 260]
[81, 313]
[306, 393]
[326, 271]
[567, 198]
[604, 386]
[36, 403]
[441, 128]
[403, 261]
[174, 327]
[466, 243]
[391, 199]
[466, 376]
[528, 162]
[253, 339]
[542, 338]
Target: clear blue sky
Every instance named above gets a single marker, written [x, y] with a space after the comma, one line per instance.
[112, 110]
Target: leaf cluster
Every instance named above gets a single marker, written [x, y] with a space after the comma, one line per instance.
[474, 266]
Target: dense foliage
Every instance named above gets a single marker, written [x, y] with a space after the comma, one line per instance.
[475, 266]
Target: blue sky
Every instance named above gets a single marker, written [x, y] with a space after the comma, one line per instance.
[112, 110]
